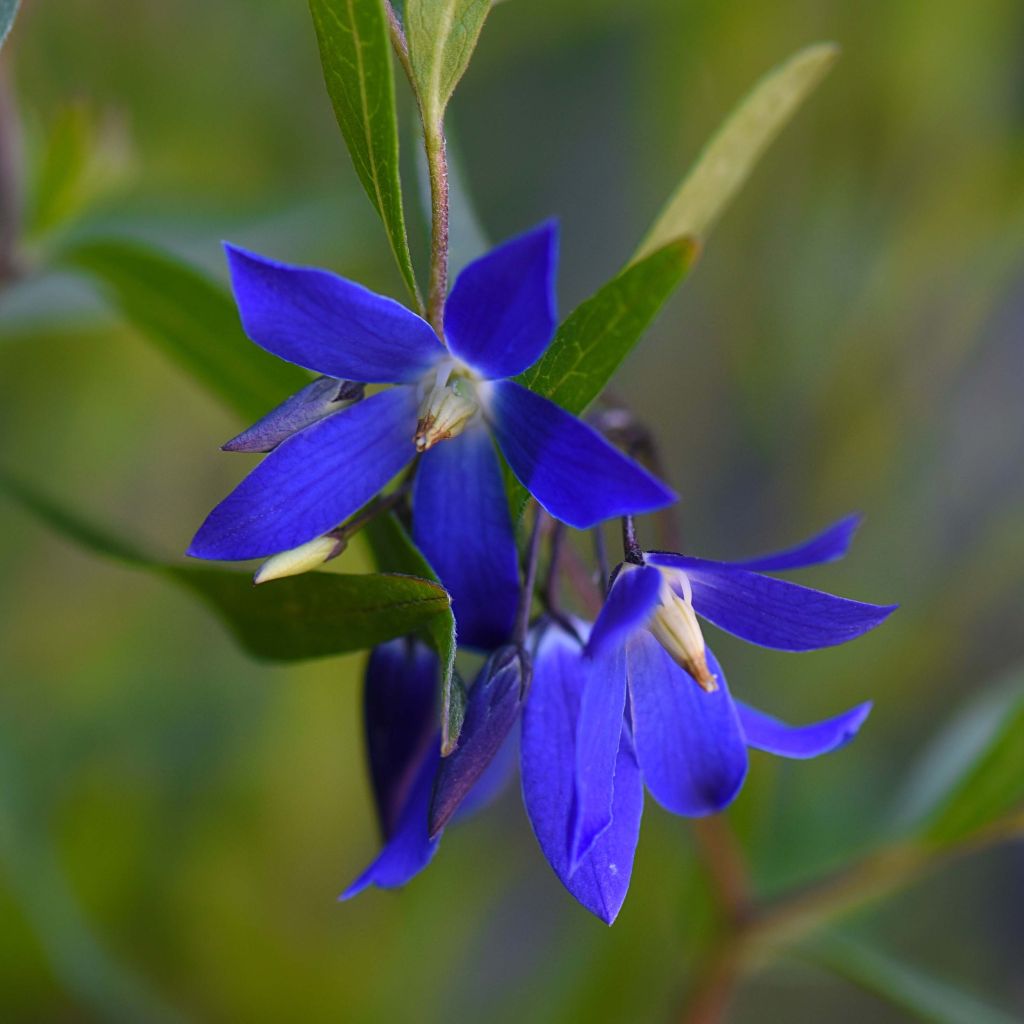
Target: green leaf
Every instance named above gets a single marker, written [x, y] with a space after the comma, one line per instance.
[917, 994]
[316, 614]
[591, 344]
[299, 617]
[8, 9]
[973, 774]
[191, 317]
[730, 156]
[394, 551]
[355, 51]
[442, 35]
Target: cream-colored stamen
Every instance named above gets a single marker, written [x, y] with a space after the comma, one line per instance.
[302, 559]
[445, 412]
[675, 626]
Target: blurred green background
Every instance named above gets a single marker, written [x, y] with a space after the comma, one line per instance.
[176, 820]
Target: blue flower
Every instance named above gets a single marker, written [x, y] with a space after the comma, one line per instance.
[587, 753]
[690, 737]
[412, 784]
[499, 319]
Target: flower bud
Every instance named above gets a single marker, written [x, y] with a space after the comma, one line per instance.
[675, 626]
[302, 559]
[444, 413]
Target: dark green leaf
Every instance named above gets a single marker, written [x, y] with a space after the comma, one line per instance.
[591, 344]
[919, 995]
[727, 160]
[191, 317]
[973, 775]
[318, 613]
[394, 551]
[355, 51]
[307, 616]
[8, 9]
[442, 35]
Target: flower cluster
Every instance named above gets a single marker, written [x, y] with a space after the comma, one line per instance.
[633, 700]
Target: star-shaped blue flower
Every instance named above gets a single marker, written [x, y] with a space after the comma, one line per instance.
[686, 745]
[689, 735]
[448, 402]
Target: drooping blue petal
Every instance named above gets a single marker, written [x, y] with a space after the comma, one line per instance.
[495, 700]
[500, 314]
[601, 879]
[772, 612]
[329, 325]
[827, 546]
[313, 481]
[627, 608]
[461, 522]
[399, 690]
[800, 741]
[688, 742]
[493, 782]
[568, 467]
[316, 400]
[598, 734]
[409, 849]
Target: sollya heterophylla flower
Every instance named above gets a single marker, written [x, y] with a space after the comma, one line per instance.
[684, 742]
[650, 674]
[447, 403]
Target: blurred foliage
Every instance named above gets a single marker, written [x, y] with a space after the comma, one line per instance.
[176, 819]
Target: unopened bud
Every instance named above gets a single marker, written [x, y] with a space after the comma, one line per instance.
[675, 626]
[302, 559]
[444, 413]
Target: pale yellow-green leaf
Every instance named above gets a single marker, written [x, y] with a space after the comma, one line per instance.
[442, 35]
[730, 156]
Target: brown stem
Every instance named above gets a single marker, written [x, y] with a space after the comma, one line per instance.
[437, 164]
[726, 866]
[10, 180]
[529, 579]
[710, 997]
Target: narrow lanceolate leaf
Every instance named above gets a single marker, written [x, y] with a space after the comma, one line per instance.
[355, 51]
[442, 35]
[973, 776]
[600, 333]
[394, 551]
[917, 994]
[8, 9]
[730, 156]
[292, 619]
[191, 317]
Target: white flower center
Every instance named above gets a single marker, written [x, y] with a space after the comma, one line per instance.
[449, 402]
[675, 626]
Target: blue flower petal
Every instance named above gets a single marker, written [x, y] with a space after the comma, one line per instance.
[566, 465]
[770, 612]
[313, 481]
[493, 782]
[598, 733]
[461, 522]
[688, 742]
[601, 879]
[399, 689]
[327, 324]
[628, 607]
[800, 741]
[827, 546]
[495, 700]
[316, 400]
[410, 849]
[500, 315]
